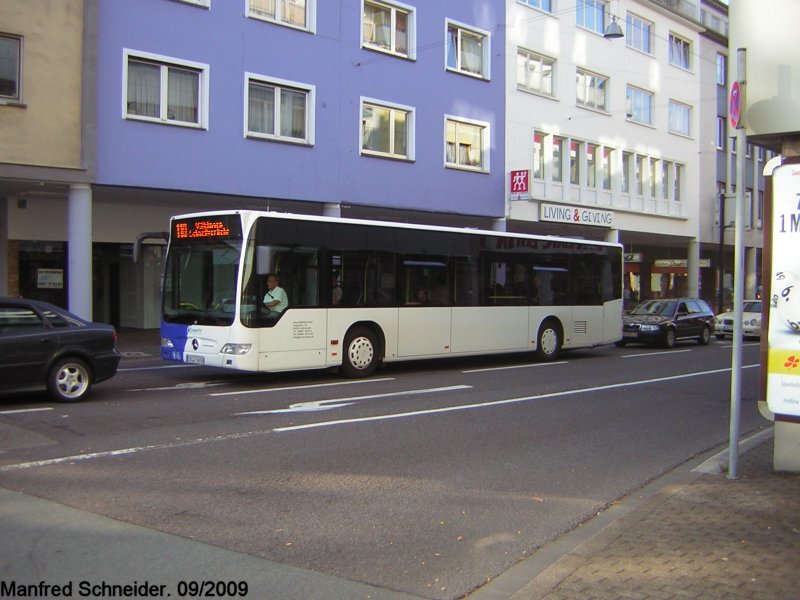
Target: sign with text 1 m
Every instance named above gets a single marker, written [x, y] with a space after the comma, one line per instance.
[783, 354]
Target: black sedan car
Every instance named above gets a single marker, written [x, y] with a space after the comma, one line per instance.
[667, 320]
[44, 346]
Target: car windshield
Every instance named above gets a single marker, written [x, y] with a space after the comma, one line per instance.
[754, 306]
[656, 307]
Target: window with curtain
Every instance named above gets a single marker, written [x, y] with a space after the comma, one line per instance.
[538, 155]
[627, 157]
[10, 57]
[640, 105]
[575, 162]
[591, 90]
[278, 111]
[558, 148]
[283, 12]
[466, 144]
[680, 118]
[591, 165]
[607, 153]
[165, 92]
[680, 52]
[467, 50]
[385, 130]
[535, 72]
[387, 27]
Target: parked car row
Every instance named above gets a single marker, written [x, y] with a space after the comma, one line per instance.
[43, 346]
[667, 320]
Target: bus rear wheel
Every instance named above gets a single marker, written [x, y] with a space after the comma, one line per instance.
[360, 353]
[548, 341]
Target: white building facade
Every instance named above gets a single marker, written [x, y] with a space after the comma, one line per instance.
[607, 132]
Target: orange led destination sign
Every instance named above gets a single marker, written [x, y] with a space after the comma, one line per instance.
[223, 227]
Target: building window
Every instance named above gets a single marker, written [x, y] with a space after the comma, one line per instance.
[165, 90]
[591, 165]
[722, 69]
[10, 68]
[591, 90]
[652, 176]
[206, 3]
[535, 72]
[721, 131]
[545, 5]
[640, 105]
[538, 155]
[680, 118]
[294, 13]
[665, 165]
[678, 182]
[607, 154]
[591, 14]
[466, 144]
[639, 33]
[627, 157]
[386, 130]
[279, 110]
[558, 153]
[575, 162]
[640, 166]
[389, 27]
[680, 52]
[467, 50]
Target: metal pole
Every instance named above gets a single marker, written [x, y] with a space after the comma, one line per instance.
[738, 289]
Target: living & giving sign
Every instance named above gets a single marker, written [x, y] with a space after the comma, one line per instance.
[558, 213]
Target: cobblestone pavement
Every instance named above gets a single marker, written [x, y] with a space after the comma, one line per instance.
[704, 537]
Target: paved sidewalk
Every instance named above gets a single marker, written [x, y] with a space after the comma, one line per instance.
[695, 535]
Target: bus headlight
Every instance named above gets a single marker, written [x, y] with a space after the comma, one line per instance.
[236, 349]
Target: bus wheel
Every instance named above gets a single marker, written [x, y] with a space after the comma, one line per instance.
[548, 342]
[360, 353]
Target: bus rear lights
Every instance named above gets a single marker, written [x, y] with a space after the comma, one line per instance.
[236, 349]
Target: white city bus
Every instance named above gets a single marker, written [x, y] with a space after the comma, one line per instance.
[362, 293]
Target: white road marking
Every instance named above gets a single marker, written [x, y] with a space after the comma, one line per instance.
[158, 367]
[488, 404]
[301, 387]
[655, 353]
[188, 385]
[248, 434]
[317, 405]
[526, 366]
[24, 410]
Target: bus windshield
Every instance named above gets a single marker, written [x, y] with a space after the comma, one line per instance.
[200, 282]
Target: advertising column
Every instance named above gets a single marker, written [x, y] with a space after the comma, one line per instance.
[783, 355]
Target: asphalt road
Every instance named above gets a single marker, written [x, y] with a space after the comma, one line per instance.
[431, 478]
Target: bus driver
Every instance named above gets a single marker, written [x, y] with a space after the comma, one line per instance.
[275, 299]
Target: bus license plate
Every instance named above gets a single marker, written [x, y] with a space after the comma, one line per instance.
[195, 360]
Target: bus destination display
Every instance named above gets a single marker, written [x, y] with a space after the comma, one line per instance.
[223, 227]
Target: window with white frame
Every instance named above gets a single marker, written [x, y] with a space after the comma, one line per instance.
[680, 118]
[467, 50]
[545, 5]
[677, 183]
[652, 176]
[640, 105]
[538, 155]
[535, 72]
[665, 168]
[591, 164]
[591, 14]
[387, 129]
[639, 33]
[165, 90]
[627, 159]
[558, 153]
[722, 69]
[10, 68]
[680, 52]
[591, 90]
[293, 13]
[466, 144]
[721, 131]
[607, 154]
[389, 27]
[575, 162]
[279, 110]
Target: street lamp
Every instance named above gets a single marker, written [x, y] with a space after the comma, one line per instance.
[613, 30]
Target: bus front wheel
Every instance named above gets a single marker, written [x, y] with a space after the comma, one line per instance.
[360, 353]
[548, 342]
